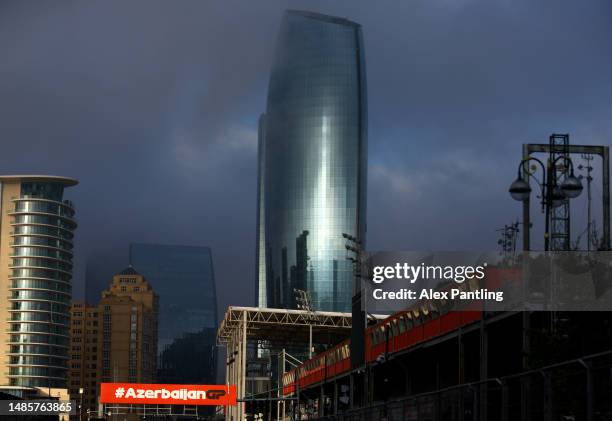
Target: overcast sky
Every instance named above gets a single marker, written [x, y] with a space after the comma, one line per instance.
[153, 106]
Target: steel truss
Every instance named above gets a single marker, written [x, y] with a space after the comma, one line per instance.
[275, 329]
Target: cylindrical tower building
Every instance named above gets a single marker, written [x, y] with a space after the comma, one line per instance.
[36, 242]
[314, 160]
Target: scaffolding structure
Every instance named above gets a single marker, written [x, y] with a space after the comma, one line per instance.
[272, 328]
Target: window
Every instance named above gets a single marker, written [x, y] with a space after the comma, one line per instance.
[408, 318]
[402, 324]
[394, 327]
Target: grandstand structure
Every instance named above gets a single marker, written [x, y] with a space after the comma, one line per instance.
[244, 329]
[428, 362]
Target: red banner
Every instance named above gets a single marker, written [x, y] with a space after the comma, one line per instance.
[168, 394]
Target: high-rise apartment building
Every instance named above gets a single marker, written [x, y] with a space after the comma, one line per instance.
[36, 242]
[183, 276]
[127, 336]
[313, 159]
[84, 371]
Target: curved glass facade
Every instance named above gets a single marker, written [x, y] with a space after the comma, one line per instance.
[315, 160]
[40, 290]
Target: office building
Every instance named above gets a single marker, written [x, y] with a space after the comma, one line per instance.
[183, 276]
[36, 244]
[114, 340]
[312, 162]
[127, 337]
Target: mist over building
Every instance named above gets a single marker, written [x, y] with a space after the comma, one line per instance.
[312, 162]
[183, 276]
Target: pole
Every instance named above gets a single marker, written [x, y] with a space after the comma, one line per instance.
[227, 372]
[81, 404]
[310, 340]
[281, 371]
[606, 198]
[526, 216]
[547, 204]
[588, 159]
[243, 365]
[589, 391]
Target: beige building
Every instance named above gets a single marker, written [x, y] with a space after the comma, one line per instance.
[128, 337]
[36, 242]
[84, 373]
[116, 340]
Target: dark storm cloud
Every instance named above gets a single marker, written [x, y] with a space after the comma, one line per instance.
[153, 107]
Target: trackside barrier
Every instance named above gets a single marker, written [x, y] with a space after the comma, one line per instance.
[574, 390]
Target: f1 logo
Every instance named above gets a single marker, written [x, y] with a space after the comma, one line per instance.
[215, 394]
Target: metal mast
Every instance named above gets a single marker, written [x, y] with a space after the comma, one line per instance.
[560, 212]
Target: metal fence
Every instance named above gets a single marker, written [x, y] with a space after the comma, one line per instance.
[575, 390]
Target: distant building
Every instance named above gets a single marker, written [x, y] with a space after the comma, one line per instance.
[189, 359]
[312, 162]
[36, 241]
[114, 340]
[183, 276]
[261, 298]
[84, 370]
[128, 335]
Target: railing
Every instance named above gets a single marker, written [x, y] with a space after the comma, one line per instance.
[574, 390]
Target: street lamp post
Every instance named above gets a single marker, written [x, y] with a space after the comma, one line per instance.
[552, 193]
[354, 248]
[304, 302]
[81, 403]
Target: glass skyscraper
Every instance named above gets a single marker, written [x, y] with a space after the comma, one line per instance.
[260, 287]
[183, 277]
[313, 165]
